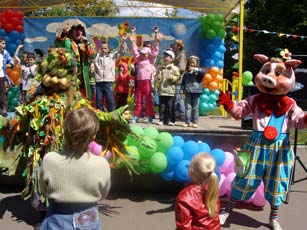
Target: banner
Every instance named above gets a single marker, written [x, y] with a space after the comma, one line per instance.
[40, 33]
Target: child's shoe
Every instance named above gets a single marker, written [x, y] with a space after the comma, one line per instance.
[275, 225]
[134, 119]
[160, 123]
[186, 125]
[194, 125]
[171, 123]
[149, 120]
[223, 217]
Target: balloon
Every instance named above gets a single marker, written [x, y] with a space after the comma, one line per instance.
[14, 75]
[219, 156]
[144, 151]
[229, 178]
[157, 162]
[204, 147]
[204, 107]
[164, 141]
[95, 148]
[168, 174]
[151, 132]
[133, 152]
[210, 34]
[219, 17]
[214, 71]
[182, 170]
[203, 98]
[190, 148]
[247, 76]
[207, 78]
[137, 129]
[174, 155]
[222, 187]
[178, 141]
[216, 26]
[213, 85]
[226, 166]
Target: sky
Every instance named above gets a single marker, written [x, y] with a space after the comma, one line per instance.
[135, 8]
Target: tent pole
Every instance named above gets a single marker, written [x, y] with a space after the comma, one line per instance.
[241, 32]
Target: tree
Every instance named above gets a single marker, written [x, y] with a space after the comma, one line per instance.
[280, 16]
[79, 8]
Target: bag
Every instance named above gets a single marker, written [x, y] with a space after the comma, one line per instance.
[242, 162]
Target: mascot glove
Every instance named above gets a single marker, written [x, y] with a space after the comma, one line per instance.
[224, 99]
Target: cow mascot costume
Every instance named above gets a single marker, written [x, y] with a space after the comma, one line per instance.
[270, 156]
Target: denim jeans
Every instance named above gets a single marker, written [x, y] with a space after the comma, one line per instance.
[191, 107]
[87, 219]
[179, 103]
[105, 89]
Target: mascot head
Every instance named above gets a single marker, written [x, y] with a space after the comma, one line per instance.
[276, 76]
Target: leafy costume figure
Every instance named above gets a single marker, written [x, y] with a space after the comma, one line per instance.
[36, 127]
[74, 39]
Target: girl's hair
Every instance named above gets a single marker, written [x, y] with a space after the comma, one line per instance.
[193, 57]
[80, 127]
[202, 172]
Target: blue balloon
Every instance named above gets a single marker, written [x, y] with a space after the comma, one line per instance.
[203, 98]
[2, 32]
[168, 174]
[219, 64]
[204, 147]
[178, 141]
[182, 170]
[219, 156]
[14, 35]
[174, 155]
[190, 148]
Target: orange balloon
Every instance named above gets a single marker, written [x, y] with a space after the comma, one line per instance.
[214, 71]
[14, 75]
[204, 84]
[218, 78]
[207, 78]
[213, 85]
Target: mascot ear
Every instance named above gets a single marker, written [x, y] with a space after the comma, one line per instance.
[261, 58]
[293, 63]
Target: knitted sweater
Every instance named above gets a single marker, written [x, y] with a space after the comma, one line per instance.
[70, 180]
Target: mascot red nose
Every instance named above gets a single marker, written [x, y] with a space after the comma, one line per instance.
[273, 114]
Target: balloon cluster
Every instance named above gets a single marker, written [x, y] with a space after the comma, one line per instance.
[180, 154]
[147, 160]
[212, 53]
[11, 29]
[213, 79]
[247, 78]
[212, 25]
[227, 175]
[207, 101]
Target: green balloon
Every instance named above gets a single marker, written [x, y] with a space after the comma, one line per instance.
[247, 76]
[146, 152]
[151, 132]
[219, 17]
[137, 129]
[157, 162]
[210, 18]
[133, 152]
[164, 142]
[216, 26]
[210, 34]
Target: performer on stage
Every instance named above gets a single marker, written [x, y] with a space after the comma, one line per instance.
[270, 154]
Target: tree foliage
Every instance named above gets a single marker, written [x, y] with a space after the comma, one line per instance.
[79, 8]
[280, 16]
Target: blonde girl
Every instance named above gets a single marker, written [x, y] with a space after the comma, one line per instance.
[198, 205]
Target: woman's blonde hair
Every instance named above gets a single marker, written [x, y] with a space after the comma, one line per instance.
[202, 172]
[193, 57]
[80, 128]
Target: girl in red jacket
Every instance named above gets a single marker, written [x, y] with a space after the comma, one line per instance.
[122, 84]
[198, 205]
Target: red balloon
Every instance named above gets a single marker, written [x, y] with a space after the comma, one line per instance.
[8, 27]
[19, 28]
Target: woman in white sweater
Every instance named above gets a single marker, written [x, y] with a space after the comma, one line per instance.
[74, 180]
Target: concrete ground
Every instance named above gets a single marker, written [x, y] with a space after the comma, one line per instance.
[146, 201]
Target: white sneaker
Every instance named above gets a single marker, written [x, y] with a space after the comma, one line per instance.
[171, 123]
[185, 125]
[275, 225]
[160, 123]
[223, 217]
[194, 125]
